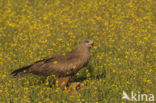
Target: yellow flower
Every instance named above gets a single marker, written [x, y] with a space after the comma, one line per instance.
[26, 89]
[59, 39]
[55, 62]
[3, 75]
[149, 82]
[114, 70]
[74, 67]
[64, 54]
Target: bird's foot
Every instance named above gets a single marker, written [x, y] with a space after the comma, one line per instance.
[75, 87]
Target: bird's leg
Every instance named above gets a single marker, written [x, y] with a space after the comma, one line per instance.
[76, 86]
[62, 81]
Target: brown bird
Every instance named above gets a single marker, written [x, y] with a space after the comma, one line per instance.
[62, 66]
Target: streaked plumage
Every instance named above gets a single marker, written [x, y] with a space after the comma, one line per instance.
[60, 65]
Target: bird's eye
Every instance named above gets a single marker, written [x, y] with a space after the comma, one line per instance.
[87, 41]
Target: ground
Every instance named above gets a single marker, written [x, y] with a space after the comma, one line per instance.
[122, 59]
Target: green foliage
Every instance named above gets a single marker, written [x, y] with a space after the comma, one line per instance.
[123, 56]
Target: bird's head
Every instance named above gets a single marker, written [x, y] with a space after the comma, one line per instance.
[89, 43]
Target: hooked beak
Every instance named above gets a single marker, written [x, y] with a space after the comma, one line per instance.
[90, 44]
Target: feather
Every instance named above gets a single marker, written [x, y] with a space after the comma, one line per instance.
[60, 65]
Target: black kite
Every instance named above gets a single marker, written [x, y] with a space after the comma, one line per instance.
[62, 66]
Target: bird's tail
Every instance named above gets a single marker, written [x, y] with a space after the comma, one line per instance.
[21, 71]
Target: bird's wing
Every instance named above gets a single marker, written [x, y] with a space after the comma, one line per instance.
[59, 65]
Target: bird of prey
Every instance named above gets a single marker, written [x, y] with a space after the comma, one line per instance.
[62, 66]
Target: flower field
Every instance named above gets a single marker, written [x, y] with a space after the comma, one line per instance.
[123, 57]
